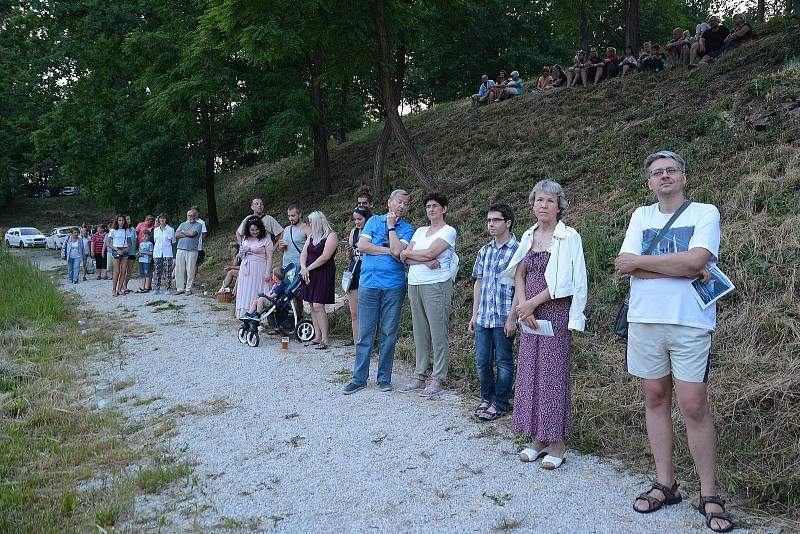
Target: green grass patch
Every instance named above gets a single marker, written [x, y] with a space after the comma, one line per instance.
[62, 463]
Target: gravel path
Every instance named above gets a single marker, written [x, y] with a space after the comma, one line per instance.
[279, 448]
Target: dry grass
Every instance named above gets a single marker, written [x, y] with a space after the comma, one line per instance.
[593, 141]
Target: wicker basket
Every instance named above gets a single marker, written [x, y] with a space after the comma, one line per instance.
[225, 298]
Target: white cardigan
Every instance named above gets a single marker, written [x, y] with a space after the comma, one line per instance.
[565, 273]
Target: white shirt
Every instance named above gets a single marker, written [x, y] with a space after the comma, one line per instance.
[202, 231]
[671, 300]
[163, 241]
[119, 238]
[565, 273]
[422, 274]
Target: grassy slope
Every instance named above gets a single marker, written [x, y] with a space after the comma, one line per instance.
[593, 142]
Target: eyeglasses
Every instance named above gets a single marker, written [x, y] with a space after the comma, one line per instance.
[494, 220]
[672, 171]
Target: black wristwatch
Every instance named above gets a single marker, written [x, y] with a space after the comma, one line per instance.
[392, 230]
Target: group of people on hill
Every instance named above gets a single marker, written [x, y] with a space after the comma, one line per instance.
[711, 40]
[161, 252]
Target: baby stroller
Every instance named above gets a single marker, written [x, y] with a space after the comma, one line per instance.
[282, 315]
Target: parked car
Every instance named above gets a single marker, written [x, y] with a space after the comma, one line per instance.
[56, 238]
[24, 237]
[70, 191]
[42, 193]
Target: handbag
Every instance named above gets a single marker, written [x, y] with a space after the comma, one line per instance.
[621, 322]
[90, 266]
[347, 275]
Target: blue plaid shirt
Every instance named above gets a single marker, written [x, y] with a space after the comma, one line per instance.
[496, 298]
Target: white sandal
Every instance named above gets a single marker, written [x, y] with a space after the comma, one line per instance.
[552, 462]
[531, 455]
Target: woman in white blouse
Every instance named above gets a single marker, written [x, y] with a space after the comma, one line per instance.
[433, 262]
[164, 238]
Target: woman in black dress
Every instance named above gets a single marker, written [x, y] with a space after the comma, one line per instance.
[318, 271]
[360, 216]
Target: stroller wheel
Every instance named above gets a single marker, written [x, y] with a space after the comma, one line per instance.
[304, 331]
[242, 334]
[252, 338]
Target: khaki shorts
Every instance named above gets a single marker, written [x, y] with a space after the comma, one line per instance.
[656, 350]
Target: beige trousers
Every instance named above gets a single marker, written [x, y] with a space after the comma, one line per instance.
[185, 269]
[430, 314]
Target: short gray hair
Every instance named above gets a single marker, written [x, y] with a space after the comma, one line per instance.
[551, 188]
[664, 154]
[398, 192]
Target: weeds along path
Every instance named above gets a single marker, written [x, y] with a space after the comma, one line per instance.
[275, 445]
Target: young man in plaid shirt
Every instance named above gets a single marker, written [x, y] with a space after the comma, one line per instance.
[493, 320]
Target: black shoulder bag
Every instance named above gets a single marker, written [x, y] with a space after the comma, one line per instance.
[621, 324]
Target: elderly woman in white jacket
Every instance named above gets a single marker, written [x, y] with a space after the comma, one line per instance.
[548, 272]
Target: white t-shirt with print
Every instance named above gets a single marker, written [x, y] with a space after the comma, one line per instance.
[671, 300]
[422, 274]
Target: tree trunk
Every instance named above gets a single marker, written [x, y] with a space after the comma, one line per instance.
[320, 132]
[632, 24]
[210, 173]
[584, 26]
[343, 115]
[796, 9]
[760, 11]
[386, 135]
[390, 103]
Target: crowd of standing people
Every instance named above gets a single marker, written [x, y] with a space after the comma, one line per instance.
[536, 285]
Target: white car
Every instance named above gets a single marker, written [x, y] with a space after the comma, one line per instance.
[56, 238]
[23, 237]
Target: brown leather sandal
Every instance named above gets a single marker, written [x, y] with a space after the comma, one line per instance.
[710, 516]
[671, 496]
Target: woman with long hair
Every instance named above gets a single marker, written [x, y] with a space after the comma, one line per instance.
[318, 271]
[255, 255]
[360, 216]
[119, 242]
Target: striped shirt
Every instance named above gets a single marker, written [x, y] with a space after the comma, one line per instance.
[496, 298]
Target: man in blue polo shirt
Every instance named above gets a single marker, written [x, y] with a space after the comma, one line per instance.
[381, 290]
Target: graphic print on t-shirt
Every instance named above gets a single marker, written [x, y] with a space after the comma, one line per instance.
[675, 240]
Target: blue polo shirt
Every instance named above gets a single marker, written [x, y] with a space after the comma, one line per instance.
[383, 271]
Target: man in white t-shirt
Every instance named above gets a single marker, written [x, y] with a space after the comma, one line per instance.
[201, 254]
[669, 333]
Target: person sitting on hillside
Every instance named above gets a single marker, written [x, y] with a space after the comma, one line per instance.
[513, 87]
[231, 271]
[265, 300]
[593, 68]
[499, 85]
[611, 63]
[741, 35]
[712, 41]
[558, 75]
[545, 81]
[648, 59]
[695, 47]
[630, 61]
[482, 97]
[574, 72]
[678, 48]
[661, 59]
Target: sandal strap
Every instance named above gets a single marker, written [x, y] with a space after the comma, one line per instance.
[669, 493]
[651, 501]
[711, 499]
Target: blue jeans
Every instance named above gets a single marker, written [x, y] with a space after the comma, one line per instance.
[492, 345]
[74, 269]
[377, 305]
